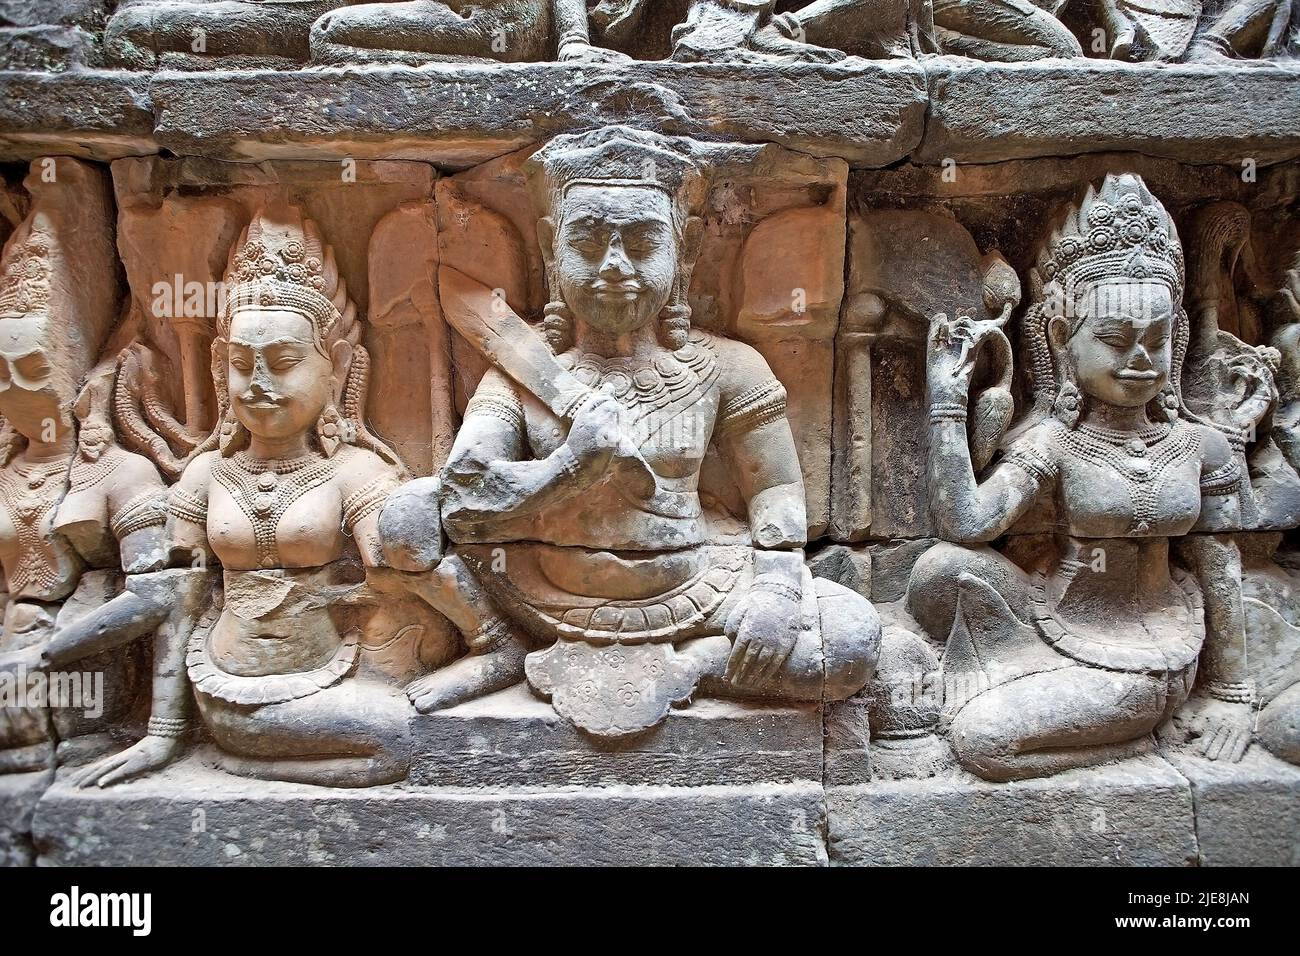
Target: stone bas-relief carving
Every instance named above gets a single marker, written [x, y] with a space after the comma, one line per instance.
[856, 507]
[572, 496]
[189, 34]
[79, 512]
[1079, 639]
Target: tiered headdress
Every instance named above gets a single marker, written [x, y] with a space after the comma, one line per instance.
[618, 156]
[281, 262]
[1117, 231]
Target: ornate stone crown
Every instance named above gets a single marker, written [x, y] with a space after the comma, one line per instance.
[281, 262]
[1119, 230]
[616, 156]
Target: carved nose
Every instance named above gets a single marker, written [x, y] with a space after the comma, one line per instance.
[616, 264]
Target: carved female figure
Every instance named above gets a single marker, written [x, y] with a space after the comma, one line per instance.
[573, 491]
[75, 509]
[1073, 645]
[288, 501]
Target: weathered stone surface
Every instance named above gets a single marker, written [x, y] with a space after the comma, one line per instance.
[981, 113]
[18, 795]
[1247, 814]
[871, 115]
[1138, 812]
[88, 113]
[512, 738]
[192, 816]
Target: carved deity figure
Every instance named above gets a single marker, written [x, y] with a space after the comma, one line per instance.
[76, 510]
[284, 32]
[1072, 645]
[573, 495]
[286, 496]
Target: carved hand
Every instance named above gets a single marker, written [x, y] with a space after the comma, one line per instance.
[1223, 729]
[151, 753]
[951, 350]
[595, 434]
[763, 630]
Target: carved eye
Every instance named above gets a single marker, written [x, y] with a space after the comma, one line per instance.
[1116, 340]
[286, 363]
[241, 364]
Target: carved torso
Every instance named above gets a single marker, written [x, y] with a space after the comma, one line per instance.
[39, 563]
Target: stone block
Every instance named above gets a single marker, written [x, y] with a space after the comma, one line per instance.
[190, 815]
[1248, 813]
[18, 795]
[1134, 813]
[512, 738]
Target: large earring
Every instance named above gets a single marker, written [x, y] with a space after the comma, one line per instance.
[675, 326]
[1167, 404]
[232, 436]
[1068, 405]
[557, 326]
[329, 429]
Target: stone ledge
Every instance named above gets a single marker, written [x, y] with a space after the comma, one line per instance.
[242, 822]
[19, 794]
[1138, 812]
[512, 738]
[91, 114]
[1248, 813]
[985, 112]
[870, 113]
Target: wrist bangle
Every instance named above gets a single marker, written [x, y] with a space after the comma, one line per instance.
[775, 586]
[1233, 692]
[167, 727]
[947, 412]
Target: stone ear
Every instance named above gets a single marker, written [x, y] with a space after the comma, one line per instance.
[692, 239]
[546, 237]
[341, 357]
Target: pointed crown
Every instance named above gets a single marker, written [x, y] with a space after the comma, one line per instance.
[1117, 230]
[281, 262]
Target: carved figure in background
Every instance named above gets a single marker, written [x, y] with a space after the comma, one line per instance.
[76, 510]
[286, 495]
[1072, 647]
[572, 491]
[513, 31]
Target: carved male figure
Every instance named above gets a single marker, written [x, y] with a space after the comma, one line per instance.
[573, 491]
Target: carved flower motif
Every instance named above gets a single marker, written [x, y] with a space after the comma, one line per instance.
[293, 251]
[312, 264]
[1068, 248]
[654, 667]
[1049, 268]
[1135, 231]
[1158, 239]
[267, 266]
[1130, 204]
[1101, 238]
[587, 690]
[296, 272]
[1100, 214]
[317, 283]
[266, 298]
[35, 268]
[615, 658]
[627, 694]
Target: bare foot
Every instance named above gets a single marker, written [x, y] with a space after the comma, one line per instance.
[473, 676]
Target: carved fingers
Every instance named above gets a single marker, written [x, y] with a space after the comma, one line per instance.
[953, 347]
[764, 630]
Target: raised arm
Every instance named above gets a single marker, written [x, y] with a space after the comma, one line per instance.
[964, 509]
